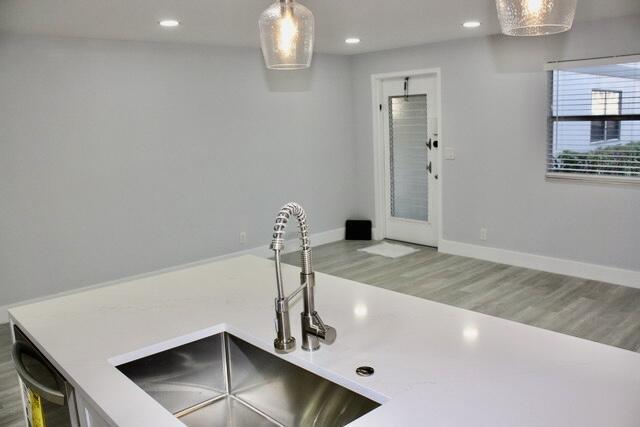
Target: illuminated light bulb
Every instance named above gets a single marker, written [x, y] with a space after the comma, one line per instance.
[534, 7]
[287, 33]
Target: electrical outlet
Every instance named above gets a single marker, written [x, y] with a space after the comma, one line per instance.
[449, 153]
[243, 237]
[483, 233]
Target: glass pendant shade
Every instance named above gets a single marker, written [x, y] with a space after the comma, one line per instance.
[286, 35]
[535, 17]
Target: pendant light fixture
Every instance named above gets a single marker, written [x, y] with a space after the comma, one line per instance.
[286, 35]
[535, 17]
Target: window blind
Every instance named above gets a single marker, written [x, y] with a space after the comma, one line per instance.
[408, 157]
[594, 119]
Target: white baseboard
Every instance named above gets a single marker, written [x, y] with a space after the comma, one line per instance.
[619, 276]
[291, 245]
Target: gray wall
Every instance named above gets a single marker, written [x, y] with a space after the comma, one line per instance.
[494, 115]
[118, 158]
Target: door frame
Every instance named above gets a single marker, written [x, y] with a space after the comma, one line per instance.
[379, 230]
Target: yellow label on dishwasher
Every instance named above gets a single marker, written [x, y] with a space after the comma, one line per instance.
[37, 413]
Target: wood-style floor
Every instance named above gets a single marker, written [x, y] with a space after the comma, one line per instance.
[597, 311]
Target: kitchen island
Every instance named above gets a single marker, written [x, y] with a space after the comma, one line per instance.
[434, 364]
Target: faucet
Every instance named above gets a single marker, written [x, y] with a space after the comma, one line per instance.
[313, 329]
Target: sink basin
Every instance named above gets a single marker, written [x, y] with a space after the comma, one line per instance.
[222, 380]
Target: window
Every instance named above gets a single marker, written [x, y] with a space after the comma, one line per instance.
[594, 119]
[605, 102]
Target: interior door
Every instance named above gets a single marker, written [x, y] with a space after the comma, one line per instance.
[410, 112]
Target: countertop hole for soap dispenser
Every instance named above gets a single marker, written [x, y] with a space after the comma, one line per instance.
[365, 371]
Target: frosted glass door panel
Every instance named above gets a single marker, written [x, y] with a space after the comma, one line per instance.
[408, 153]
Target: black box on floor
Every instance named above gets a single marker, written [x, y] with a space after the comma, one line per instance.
[357, 229]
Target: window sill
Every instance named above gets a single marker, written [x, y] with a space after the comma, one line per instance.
[608, 179]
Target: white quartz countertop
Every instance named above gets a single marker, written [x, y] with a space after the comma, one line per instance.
[435, 365]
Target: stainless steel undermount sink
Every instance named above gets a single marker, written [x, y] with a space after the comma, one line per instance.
[224, 381]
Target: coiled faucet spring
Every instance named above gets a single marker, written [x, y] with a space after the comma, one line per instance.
[277, 244]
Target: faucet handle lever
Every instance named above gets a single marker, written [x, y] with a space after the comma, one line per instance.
[325, 332]
[329, 336]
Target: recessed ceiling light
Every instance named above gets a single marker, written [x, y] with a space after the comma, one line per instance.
[471, 24]
[169, 23]
[352, 40]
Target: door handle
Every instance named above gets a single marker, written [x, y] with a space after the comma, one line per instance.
[429, 144]
[47, 393]
[429, 167]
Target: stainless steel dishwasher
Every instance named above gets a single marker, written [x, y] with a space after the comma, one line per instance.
[49, 399]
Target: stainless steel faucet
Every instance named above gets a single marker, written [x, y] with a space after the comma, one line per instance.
[313, 329]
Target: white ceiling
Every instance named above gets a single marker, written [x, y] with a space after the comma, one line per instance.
[381, 24]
